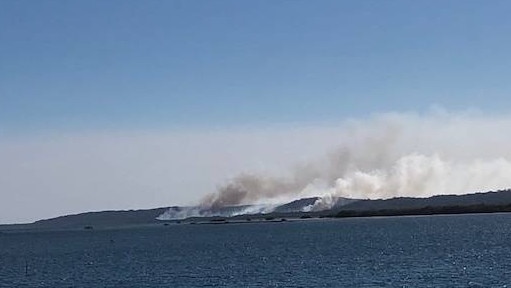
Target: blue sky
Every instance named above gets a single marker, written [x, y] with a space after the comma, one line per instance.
[139, 104]
[157, 64]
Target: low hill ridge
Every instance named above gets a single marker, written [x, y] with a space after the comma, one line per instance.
[499, 201]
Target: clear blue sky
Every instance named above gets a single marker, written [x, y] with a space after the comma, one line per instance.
[150, 64]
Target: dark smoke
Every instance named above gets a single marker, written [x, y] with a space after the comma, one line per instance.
[392, 155]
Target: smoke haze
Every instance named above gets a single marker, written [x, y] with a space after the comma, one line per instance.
[386, 155]
[57, 173]
[391, 155]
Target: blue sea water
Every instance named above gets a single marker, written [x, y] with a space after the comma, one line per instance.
[427, 251]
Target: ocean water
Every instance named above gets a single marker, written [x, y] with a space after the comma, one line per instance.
[426, 251]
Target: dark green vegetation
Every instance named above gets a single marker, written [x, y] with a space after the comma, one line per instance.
[489, 202]
[490, 199]
[428, 210]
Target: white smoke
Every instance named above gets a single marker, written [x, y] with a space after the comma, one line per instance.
[177, 213]
[392, 155]
[419, 176]
[387, 155]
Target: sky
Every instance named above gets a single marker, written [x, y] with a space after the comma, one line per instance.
[140, 104]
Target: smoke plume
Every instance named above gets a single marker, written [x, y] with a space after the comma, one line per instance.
[391, 155]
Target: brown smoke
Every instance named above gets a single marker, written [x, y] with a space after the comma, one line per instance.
[392, 155]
